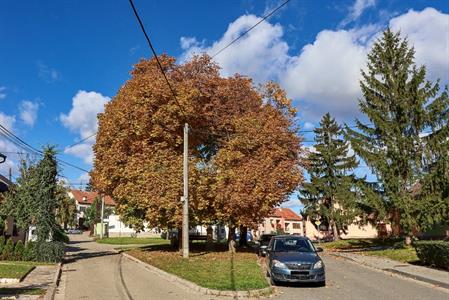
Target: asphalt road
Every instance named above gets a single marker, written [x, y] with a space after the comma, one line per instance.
[347, 280]
[94, 271]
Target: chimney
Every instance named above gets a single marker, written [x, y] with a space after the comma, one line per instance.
[84, 198]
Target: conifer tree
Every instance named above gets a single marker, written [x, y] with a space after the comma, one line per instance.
[330, 194]
[401, 105]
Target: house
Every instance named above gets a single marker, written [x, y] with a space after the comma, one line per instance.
[10, 230]
[115, 227]
[84, 199]
[282, 219]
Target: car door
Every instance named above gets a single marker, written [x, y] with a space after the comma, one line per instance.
[268, 257]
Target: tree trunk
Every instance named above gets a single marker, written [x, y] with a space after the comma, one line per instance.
[408, 240]
[395, 222]
[180, 239]
[209, 233]
[243, 234]
[231, 239]
[335, 231]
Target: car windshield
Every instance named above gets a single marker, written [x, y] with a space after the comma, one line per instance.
[266, 238]
[293, 245]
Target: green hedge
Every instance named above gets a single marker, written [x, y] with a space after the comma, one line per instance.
[433, 253]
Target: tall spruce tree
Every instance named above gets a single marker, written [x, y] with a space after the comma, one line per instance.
[401, 105]
[330, 194]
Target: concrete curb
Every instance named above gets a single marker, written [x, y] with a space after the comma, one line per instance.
[173, 278]
[51, 291]
[394, 271]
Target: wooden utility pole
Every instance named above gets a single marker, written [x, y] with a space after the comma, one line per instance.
[102, 216]
[185, 208]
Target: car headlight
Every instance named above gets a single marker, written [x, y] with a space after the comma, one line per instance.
[318, 265]
[279, 264]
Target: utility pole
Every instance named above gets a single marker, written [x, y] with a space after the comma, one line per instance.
[185, 208]
[102, 215]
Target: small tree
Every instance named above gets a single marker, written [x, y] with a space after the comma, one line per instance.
[330, 192]
[8, 250]
[18, 250]
[66, 211]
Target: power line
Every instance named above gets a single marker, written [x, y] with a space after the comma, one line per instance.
[155, 56]
[251, 28]
[79, 142]
[30, 149]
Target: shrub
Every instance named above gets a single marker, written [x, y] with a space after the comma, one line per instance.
[8, 250]
[29, 253]
[49, 251]
[399, 245]
[433, 253]
[60, 236]
[2, 243]
[18, 250]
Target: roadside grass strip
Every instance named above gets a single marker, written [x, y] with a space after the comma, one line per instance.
[132, 241]
[406, 255]
[14, 270]
[218, 270]
[357, 244]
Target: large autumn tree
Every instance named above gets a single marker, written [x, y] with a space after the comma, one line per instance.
[243, 146]
[406, 141]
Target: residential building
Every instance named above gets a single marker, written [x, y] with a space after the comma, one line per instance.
[282, 219]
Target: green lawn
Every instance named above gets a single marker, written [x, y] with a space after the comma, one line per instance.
[406, 255]
[356, 244]
[132, 241]
[215, 270]
[14, 270]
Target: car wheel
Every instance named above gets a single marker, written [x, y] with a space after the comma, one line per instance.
[322, 283]
[273, 281]
[267, 273]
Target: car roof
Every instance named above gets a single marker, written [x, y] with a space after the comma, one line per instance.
[290, 236]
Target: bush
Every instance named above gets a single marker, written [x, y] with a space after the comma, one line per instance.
[433, 253]
[399, 245]
[60, 236]
[8, 250]
[49, 251]
[28, 253]
[2, 243]
[18, 250]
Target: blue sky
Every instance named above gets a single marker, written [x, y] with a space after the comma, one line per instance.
[62, 60]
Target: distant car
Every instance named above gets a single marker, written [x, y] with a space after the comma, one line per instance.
[74, 231]
[263, 243]
[294, 259]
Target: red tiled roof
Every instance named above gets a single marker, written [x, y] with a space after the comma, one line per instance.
[90, 197]
[285, 213]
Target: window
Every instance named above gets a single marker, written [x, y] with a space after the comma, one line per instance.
[296, 225]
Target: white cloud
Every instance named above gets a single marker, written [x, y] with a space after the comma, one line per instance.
[260, 54]
[324, 76]
[2, 92]
[7, 121]
[47, 73]
[6, 146]
[428, 31]
[28, 112]
[82, 119]
[356, 10]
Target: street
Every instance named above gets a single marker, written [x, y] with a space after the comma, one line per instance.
[94, 271]
[348, 280]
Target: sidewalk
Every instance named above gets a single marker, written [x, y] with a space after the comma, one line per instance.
[41, 277]
[432, 276]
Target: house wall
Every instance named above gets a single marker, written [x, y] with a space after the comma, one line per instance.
[360, 232]
[269, 225]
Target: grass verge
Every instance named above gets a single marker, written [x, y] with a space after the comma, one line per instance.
[406, 255]
[132, 241]
[21, 291]
[356, 244]
[215, 270]
[14, 270]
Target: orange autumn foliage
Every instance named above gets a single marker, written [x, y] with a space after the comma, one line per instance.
[244, 150]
